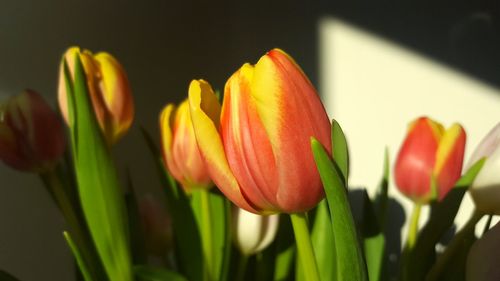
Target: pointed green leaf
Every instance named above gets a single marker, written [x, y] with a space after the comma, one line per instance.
[100, 193]
[350, 263]
[78, 257]
[186, 234]
[340, 151]
[151, 273]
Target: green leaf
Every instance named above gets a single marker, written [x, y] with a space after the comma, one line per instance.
[373, 240]
[324, 243]
[213, 224]
[78, 257]
[150, 273]
[340, 151]
[350, 263]
[4, 276]
[99, 189]
[440, 220]
[186, 234]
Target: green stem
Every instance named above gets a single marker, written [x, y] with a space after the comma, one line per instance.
[413, 227]
[63, 201]
[304, 246]
[455, 245]
[206, 232]
[242, 267]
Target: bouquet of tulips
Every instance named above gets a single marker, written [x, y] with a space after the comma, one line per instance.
[255, 180]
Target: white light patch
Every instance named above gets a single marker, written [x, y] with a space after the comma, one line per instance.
[374, 88]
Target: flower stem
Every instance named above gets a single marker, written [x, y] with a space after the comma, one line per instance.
[242, 267]
[413, 228]
[454, 246]
[206, 232]
[304, 246]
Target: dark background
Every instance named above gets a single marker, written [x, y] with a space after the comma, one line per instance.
[165, 44]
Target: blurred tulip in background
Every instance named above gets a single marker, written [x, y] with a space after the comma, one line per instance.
[109, 89]
[31, 133]
[429, 155]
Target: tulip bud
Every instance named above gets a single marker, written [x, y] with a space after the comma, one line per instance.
[109, 90]
[180, 149]
[157, 226]
[482, 262]
[253, 233]
[485, 190]
[31, 134]
[429, 157]
[257, 146]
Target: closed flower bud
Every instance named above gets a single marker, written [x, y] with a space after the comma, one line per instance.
[109, 90]
[429, 157]
[253, 233]
[485, 190]
[257, 145]
[180, 149]
[31, 133]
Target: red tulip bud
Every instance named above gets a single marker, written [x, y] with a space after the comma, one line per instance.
[31, 134]
[430, 156]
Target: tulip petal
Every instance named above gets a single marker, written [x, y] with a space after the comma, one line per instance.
[270, 228]
[485, 190]
[246, 143]
[292, 113]
[449, 159]
[166, 121]
[185, 153]
[205, 114]
[248, 228]
[413, 168]
[116, 93]
[487, 147]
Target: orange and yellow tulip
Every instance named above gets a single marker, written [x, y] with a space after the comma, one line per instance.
[31, 133]
[257, 145]
[109, 91]
[180, 150]
[430, 157]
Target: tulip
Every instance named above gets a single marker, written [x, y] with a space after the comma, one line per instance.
[257, 146]
[429, 156]
[109, 90]
[482, 261]
[253, 233]
[485, 190]
[180, 149]
[31, 133]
